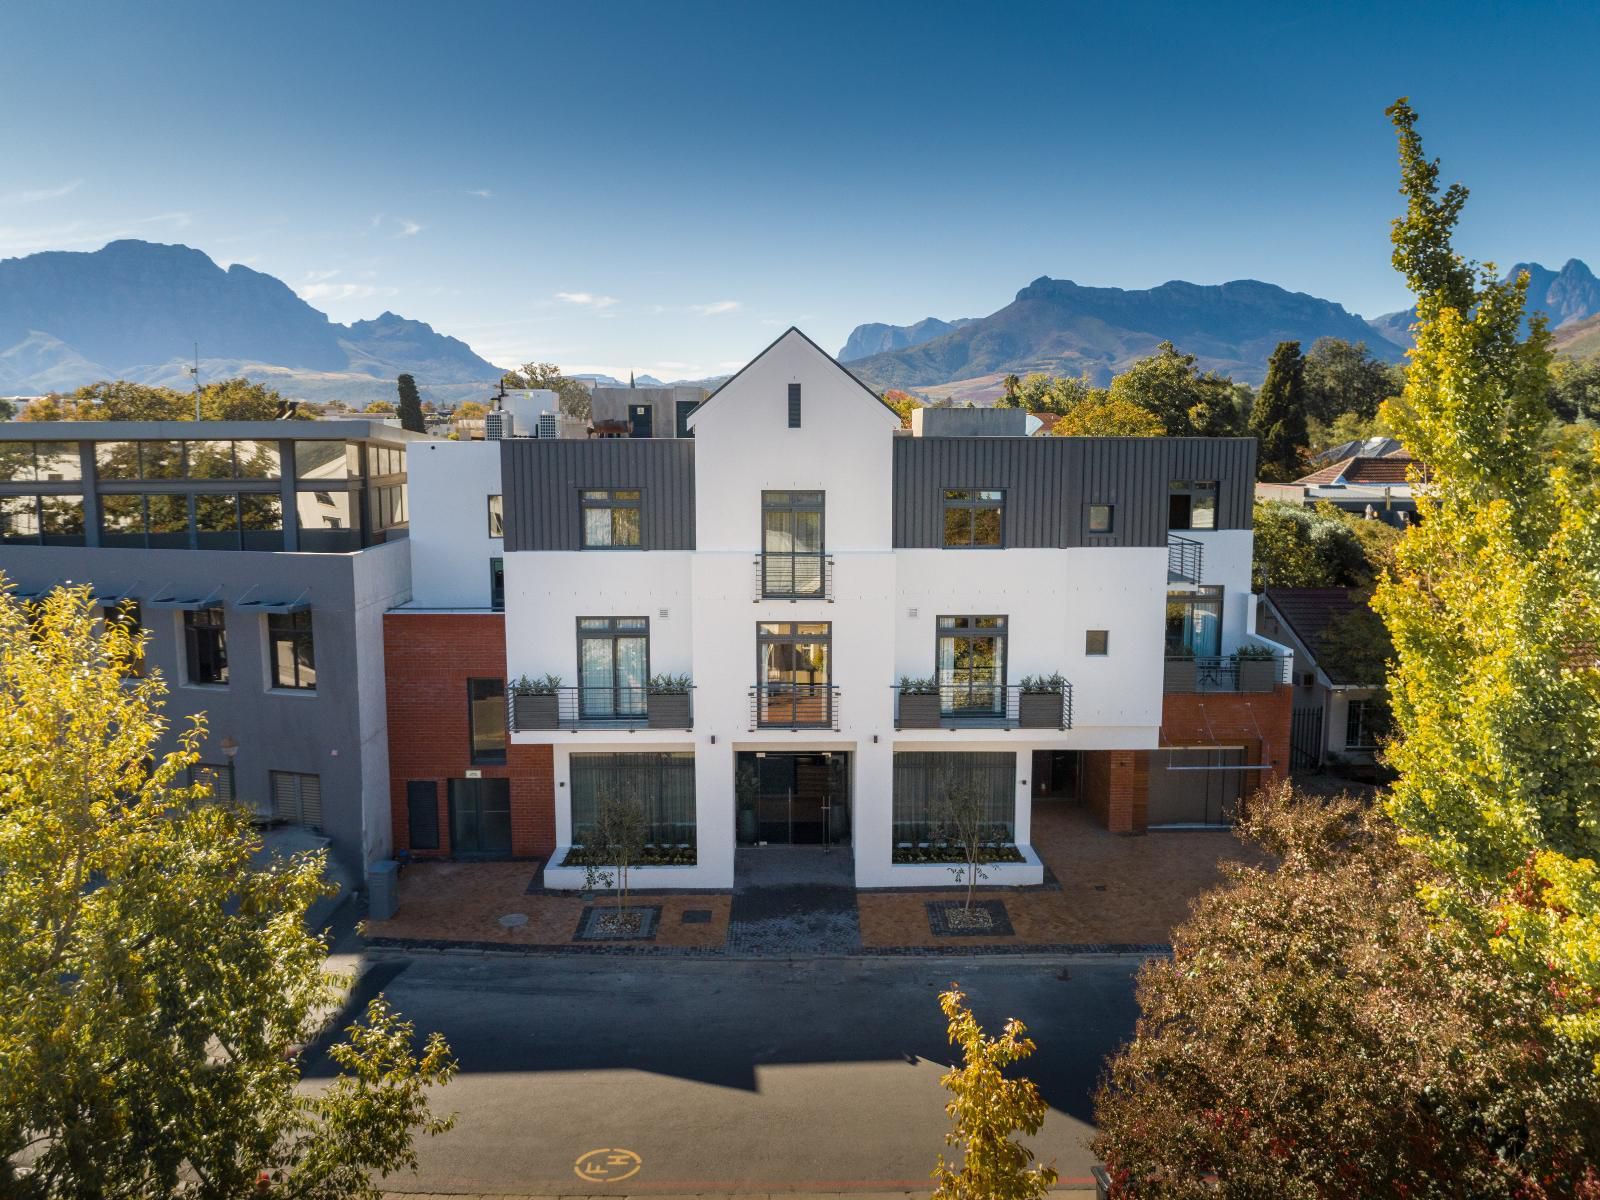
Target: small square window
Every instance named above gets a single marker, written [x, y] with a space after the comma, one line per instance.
[1096, 642]
[1100, 518]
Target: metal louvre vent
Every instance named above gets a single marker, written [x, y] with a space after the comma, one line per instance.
[664, 613]
[911, 614]
[297, 799]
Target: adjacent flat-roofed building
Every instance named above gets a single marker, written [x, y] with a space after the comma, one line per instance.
[260, 556]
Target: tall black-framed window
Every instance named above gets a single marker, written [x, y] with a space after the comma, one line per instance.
[205, 636]
[794, 406]
[974, 517]
[791, 543]
[662, 783]
[923, 779]
[1365, 721]
[971, 660]
[1192, 504]
[793, 672]
[497, 516]
[685, 410]
[497, 584]
[1194, 623]
[294, 657]
[613, 666]
[486, 720]
[611, 518]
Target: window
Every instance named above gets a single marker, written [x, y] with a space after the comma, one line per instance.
[387, 506]
[791, 544]
[1194, 623]
[40, 462]
[216, 521]
[480, 816]
[794, 406]
[326, 461]
[296, 799]
[261, 520]
[216, 776]
[166, 521]
[973, 518]
[19, 519]
[663, 783]
[497, 518]
[611, 520]
[972, 664]
[52, 520]
[685, 411]
[1192, 504]
[1100, 518]
[422, 814]
[641, 421]
[294, 660]
[613, 666]
[1096, 642]
[205, 637]
[497, 584]
[792, 673]
[486, 719]
[1365, 722]
[922, 779]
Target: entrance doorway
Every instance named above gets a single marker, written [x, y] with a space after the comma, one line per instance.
[480, 816]
[793, 799]
[1055, 774]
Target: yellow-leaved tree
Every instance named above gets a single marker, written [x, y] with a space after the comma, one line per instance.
[155, 984]
[1493, 603]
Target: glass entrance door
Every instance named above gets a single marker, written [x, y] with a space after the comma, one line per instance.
[793, 799]
[480, 816]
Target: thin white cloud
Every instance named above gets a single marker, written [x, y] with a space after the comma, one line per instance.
[321, 276]
[481, 193]
[344, 291]
[35, 195]
[408, 228]
[586, 300]
[716, 308]
[65, 235]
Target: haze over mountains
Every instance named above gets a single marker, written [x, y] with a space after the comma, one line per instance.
[134, 310]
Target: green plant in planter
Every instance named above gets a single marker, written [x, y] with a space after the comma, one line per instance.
[1053, 682]
[670, 683]
[912, 686]
[1255, 653]
[547, 685]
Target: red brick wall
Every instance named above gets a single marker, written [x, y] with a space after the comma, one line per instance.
[1116, 784]
[1259, 721]
[427, 660]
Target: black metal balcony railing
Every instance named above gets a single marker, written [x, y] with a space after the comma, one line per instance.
[997, 707]
[782, 576]
[1225, 673]
[599, 708]
[794, 706]
[1184, 559]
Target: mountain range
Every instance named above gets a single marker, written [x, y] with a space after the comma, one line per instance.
[135, 310]
[1566, 297]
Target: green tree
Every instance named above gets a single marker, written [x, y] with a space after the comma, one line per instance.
[621, 831]
[380, 406]
[1494, 607]
[988, 1109]
[1187, 401]
[410, 408]
[155, 985]
[1278, 418]
[222, 400]
[573, 397]
[1101, 415]
[903, 403]
[1575, 389]
[1318, 1032]
[1344, 377]
[1297, 546]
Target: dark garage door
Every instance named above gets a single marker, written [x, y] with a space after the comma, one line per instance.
[1195, 787]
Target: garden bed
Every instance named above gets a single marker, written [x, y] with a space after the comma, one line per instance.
[653, 856]
[954, 856]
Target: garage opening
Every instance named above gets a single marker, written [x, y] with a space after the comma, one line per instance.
[1197, 787]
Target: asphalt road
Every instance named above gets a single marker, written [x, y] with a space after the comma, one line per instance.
[720, 1076]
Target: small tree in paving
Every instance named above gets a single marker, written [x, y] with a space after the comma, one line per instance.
[988, 1108]
[960, 819]
[620, 830]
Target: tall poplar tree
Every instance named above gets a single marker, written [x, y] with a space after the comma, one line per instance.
[1494, 608]
[1278, 420]
[410, 405]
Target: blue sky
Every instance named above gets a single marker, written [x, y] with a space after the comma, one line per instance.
[665, 186]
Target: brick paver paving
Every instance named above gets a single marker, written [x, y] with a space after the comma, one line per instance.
[1105, 890]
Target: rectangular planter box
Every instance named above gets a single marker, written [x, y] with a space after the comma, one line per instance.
[1258, 674]
[1180, 675]
[538, 711]
[919, 711]
[1039, 710]
[669, 710]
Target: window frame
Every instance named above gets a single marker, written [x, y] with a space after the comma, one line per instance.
[794, 406]
[1196, 490]
[1211, 594]
[489, 757]
[1110, 526]
[293, 628]
[795, 557]
[972, 500]
[615, 630]
[497, 583]
[589, 501]
[1089, 650]
[497, 515]
[192, 656]
[1001, 633]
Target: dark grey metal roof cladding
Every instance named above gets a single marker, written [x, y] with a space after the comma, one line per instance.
[1050, 482]
[541, 479]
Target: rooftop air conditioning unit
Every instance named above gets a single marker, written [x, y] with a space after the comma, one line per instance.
[497, 425]
[549, 426]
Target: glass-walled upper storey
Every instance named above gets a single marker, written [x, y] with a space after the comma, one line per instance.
[329, 495]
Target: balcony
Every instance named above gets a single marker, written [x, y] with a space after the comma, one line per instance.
[794, 706]
[792, 577]
[1184, 560]
[614, 708]
[1226, 673]
[997, 707]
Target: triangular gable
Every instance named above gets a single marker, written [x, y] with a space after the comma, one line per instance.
[848, 374]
